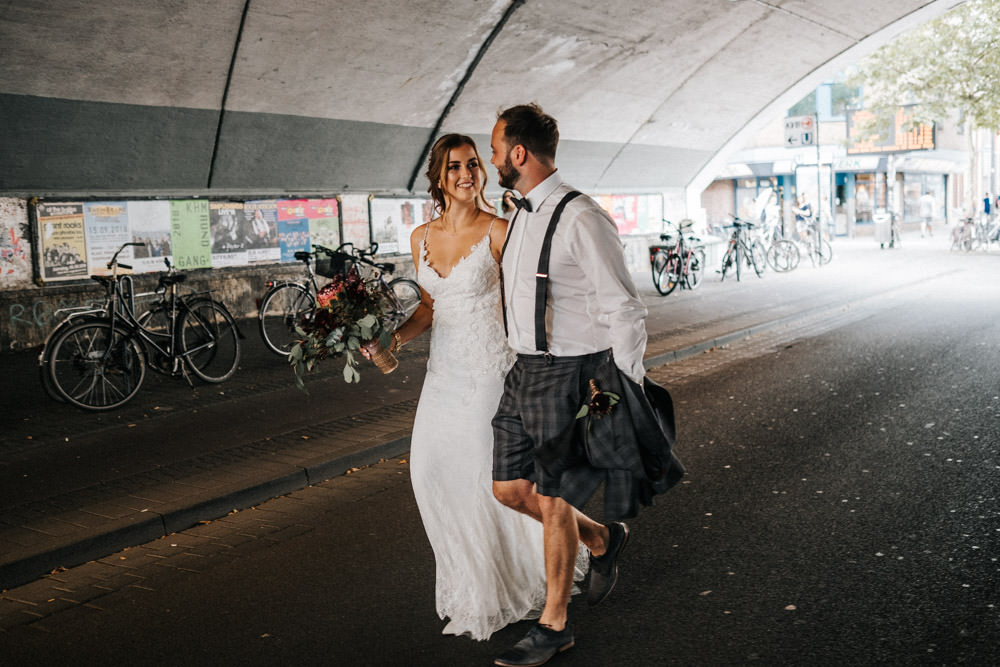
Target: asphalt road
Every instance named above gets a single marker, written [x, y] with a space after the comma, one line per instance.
[840, 509]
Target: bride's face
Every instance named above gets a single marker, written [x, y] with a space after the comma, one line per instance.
[463, 176]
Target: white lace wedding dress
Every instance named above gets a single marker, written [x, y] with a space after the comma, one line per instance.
[489, 558]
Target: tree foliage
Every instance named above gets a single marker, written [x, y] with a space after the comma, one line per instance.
[949, 65]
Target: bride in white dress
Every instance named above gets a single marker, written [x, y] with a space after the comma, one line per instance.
[489, 558]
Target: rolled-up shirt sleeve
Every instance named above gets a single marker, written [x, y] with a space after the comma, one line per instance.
[594, 242]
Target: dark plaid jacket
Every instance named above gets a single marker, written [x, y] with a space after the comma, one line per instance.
[629, 450]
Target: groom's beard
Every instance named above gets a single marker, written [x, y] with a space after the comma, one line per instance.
[508, 174]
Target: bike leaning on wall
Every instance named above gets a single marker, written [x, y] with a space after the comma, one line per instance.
[99, 363]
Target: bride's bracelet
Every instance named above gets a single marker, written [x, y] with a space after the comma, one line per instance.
[397, 342]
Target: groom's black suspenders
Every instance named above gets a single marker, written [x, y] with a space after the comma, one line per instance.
[541, 276]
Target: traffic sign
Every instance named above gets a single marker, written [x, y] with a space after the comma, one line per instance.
[800, 131]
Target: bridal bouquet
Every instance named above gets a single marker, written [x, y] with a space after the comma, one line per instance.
[347, 317]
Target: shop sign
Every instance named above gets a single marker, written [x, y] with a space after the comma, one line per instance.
[902, 137]
[863, 164]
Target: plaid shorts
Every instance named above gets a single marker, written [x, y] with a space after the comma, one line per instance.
[541, 398]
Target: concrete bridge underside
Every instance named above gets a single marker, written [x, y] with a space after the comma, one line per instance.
[299, 96]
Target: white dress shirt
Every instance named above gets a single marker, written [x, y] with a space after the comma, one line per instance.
[593, 304]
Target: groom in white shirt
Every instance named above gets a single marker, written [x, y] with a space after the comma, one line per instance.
[591, 310]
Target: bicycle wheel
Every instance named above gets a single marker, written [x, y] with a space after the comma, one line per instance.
[282, 308]
[729, 261]
[759, 255]
[783, 256]
[670, 275]
[95, 366]
[755, 261]
[656, 264]
[45, 354]
[824, 252]
[407, 294]
[696, 268]
[210, 341]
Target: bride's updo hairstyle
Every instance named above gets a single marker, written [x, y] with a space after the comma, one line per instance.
[437, 164]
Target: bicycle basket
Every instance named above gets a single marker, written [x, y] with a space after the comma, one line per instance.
[333, 264]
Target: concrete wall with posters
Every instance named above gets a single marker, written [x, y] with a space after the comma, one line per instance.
[30, 294]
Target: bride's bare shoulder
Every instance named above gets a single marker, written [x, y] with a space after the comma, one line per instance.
[420, 230]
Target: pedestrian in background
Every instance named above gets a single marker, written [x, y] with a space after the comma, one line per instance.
[927, 205]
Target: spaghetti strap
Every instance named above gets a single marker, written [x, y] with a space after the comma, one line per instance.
[490, 230]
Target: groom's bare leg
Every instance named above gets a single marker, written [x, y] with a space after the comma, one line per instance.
[520, 495]
[561, 538]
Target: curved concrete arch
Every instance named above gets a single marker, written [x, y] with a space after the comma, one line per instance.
[298, 96]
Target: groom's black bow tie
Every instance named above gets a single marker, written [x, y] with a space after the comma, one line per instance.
[523, 203]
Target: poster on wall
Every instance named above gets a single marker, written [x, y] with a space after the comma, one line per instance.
[293, 228]
[230, 233]
[262, 220]
[324, 222]
[354, 210]
[63, 247]
[106, 228]
[190, 233]
[149, 222]
[624, 207]
[15, 249]
[394, 219]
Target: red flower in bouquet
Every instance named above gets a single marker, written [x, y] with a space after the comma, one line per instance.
[347, 317]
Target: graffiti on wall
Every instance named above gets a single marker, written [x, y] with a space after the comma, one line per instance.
[15, 248]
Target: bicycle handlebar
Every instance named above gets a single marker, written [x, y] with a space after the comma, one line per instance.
[114, 258]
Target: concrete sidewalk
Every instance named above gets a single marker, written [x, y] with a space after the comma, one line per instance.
[58, 512]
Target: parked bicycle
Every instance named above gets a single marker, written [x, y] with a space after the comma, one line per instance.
[99, 363]
[739, 252]
[285, 302]
[815, 246]
[678, 262]
[984, 234]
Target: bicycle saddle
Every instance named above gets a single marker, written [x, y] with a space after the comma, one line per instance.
[167, 281]
[302, 255]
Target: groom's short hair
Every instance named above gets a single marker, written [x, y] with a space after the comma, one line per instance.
[528, 125]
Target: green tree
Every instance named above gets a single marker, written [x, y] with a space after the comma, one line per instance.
[948, 67]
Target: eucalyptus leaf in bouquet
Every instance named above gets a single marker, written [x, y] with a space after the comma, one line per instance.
[347, 317]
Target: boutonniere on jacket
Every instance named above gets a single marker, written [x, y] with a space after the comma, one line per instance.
[601, 402]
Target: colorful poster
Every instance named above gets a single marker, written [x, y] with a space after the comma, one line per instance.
[106, 228]
[63, 243]
[262, 220]
[15, 249]
[354, 210]
[230, 233]
[324, 222]
[623, 213]
[293, 228]
[394, 219]
[190, 233]
[150, 225]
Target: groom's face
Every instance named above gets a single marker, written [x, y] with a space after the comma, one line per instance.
[500, 158]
